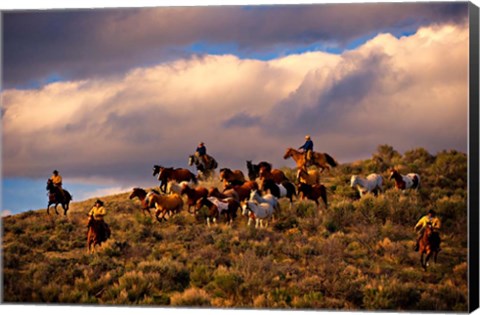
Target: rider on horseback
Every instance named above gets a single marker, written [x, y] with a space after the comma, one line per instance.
[307, 148]
[430, 218]
[201, 153]
[98, 212]
[57, 182]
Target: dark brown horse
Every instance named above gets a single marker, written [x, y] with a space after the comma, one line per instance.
[56, 197]
[193, 195]
[429, 245]
[166, 174]
[216, 207]
[313, 193]
[254, 169]
[235, 177]
[98, 232]
[321, 160]
[141, 194]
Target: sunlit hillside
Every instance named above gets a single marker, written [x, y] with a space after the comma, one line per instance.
[355, 255]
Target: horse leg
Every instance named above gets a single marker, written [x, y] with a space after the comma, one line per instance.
[422, 261]
[56, 212]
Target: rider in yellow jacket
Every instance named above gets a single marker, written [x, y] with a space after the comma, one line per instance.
[99, 212]
[432, 218]
[57, 182]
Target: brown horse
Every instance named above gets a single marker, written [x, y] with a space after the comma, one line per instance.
[98, 232]
[229, 176]
[55, 197]
[229, 193]
[166, 174]
[429, 245]
[216, 207]
[276, 175]
[254, 169]
[193, 195]
[141, 194]
[321, 160]
[313, 193]
[165, 204]
[243, 190]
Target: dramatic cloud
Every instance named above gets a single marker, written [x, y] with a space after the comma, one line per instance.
[407, 92]
[47, 46]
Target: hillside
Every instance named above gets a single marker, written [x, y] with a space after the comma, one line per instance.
[355, 255]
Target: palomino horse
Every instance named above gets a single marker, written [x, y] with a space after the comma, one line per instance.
[373, 183]
[204, 171]
[165, 174]
[321, 160]
[429, 245]
[98, 232]
[254, 169]
[310, 177]
[142, 195]
[56, 197]
[165, 204]
[402, 182]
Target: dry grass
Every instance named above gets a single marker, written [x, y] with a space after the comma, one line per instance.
[357, 254]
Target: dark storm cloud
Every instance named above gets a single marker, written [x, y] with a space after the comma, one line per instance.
[41, 46]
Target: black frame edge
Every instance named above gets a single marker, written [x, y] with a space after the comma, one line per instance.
[473, 301]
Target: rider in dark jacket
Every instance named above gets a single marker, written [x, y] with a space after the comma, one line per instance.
[307, 147]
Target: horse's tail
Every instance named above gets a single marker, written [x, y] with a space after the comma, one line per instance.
[330, 160]
[214, 164]
[194, 179]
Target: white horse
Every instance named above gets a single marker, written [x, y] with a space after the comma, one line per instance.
[269, 198]
[373, 183]
[258, 212]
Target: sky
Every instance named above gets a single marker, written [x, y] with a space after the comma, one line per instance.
[104, 94]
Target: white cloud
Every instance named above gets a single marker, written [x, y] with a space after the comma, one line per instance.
[407, 92]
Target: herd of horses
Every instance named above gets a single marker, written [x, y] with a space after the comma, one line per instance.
[256, 196]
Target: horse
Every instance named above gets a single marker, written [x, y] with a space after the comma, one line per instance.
[313, 193]
[254, 169]
[229, 193]
[429, 245]
[176, 188]
[165, 174]
[165, 203]
[244, 190]
[56, 197]
[310, 177]
[217, 207]
[403, 182]
[373, 183]
[257, 212]
[285, 189]
[193, 195]
[98, 232]
[204, 171]
[269, 198]
[277, 175]
[229, 176]
[321, 160]
[142, 195]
